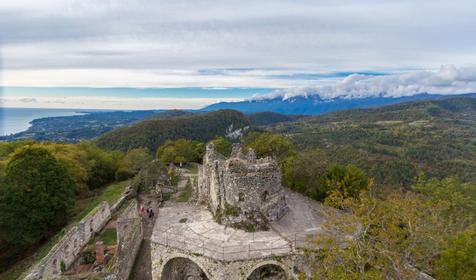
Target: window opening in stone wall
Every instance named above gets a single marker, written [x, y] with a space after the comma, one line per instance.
[264, 196]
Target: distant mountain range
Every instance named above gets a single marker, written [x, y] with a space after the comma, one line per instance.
[316, 105]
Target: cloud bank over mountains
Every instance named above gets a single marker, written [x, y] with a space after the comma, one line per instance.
[447, 80]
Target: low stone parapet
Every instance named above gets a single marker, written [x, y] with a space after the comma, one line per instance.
[64, 253]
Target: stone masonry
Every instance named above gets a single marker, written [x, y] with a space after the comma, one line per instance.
[241, 191]
[64, 253]
[196, 266]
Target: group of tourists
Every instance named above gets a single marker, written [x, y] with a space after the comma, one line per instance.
[150, 212]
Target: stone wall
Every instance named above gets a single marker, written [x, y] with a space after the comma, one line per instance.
[64, 253]
[212, 269]
[241, 189]
[130, 234]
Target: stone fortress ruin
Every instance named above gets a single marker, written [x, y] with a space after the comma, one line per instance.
[241, 191]
[241, 224]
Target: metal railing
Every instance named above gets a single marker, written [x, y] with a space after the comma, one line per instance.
[238, 250]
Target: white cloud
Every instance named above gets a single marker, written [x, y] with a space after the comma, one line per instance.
[447, 80]
[148, 36]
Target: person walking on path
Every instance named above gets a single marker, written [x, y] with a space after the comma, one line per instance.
[150, 213]
[141, 211]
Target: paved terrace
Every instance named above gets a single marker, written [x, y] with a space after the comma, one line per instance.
[192, 228]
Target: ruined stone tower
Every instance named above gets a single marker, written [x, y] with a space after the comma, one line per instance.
[241, 191]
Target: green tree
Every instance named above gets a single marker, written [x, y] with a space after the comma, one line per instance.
[222, 145]
[132, 163]
[348, 180]
[460, 199]
[267, 144]
[180, 151]
[305, 172]
[458, 258]
[148, 177]
[36, 198]
[102, 165]
[387, 237]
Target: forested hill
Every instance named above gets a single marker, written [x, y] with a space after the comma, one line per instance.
[152, 133]
[266, 118]
[394, 143]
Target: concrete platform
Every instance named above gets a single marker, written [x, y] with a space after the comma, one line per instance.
[192, 228]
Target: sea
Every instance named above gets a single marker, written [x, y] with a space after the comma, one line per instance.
[14, 120]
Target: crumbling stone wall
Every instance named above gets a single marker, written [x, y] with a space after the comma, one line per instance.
[241, 191]
[64, 253]
[130, 234]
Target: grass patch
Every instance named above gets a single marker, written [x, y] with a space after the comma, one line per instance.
[108, 237]
[192, 168]
[110, 194]
[185, 195]
[82, 207]
[231, 210]
[166, 196]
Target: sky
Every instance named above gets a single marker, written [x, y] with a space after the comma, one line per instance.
[230, 50]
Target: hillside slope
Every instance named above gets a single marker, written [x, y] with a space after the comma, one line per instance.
[266, 118]
[152, 133]
[394, 143]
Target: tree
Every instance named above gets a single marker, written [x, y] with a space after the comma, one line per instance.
[395, 236]
[150, 175]
[348, 180]
[132, 163]
[459, 198]
[304, 173]
[180, 151]
[267, 144]
[102, 165]
[36, 198]
[222, 145]
[458, 257]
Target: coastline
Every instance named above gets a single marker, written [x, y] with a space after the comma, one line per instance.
[17, 120]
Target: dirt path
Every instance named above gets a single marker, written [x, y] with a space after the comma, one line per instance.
[143, 265]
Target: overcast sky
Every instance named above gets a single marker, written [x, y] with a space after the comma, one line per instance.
[245, 43]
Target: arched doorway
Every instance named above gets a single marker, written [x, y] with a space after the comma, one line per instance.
[268, 272]
[182, 269]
